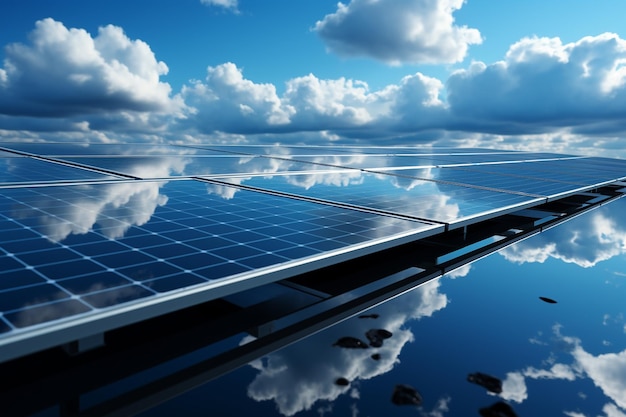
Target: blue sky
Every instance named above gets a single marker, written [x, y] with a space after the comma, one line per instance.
[505, 74]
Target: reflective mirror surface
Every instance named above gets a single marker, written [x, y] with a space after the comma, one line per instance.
[310, 252]
[564, 358]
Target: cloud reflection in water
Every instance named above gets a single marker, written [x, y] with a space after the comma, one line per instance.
[607, 372]
[584, 241]
[296, 385]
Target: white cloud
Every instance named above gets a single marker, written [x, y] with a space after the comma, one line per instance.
[66, 72]
[398, 31]
[230, 103]
[66, 83]
[544, 94]
[331, 103]
[543, 84]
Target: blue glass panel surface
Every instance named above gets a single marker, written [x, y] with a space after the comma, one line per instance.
[45, 313]
[374, 161]
[58, 149]
[510, 183]
[150, 167]
[394, 194]
[582, 171]
[498, 156]
[4, 154]
[22, 169]
[72, 250]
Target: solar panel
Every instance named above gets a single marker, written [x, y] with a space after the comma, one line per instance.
[540, 187]
[14, 169]
[409, 197]
[583, 172]
[81, 249]
[97, 236]
[186, 165]
[135, 149]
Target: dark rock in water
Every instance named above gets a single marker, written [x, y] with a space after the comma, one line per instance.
[376, 336]
[492, 383]
[369, 316]
[385, 334]
[406, 395]
[351, 342]
[499, 409]
[342, 381]
[375, 342]
[376, 356]
[548, 300]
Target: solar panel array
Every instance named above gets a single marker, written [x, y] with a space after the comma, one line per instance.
[95, 236]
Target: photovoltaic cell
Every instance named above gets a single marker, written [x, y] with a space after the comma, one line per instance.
[580, 172]
[508, 183]
[409, 197]
[76, 149]
[4, 154]
[22, 169]
[151, 167]
[490, 157]
[365, 161]
[90, 247]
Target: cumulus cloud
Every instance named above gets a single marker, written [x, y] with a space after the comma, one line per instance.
[331, 103]
[585, 241]
[65, 72]
[543, 93]
[230, 103]
[398, 31]
[542, 84]
[226, 101]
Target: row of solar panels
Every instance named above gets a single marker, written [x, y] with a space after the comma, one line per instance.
[93, 237]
